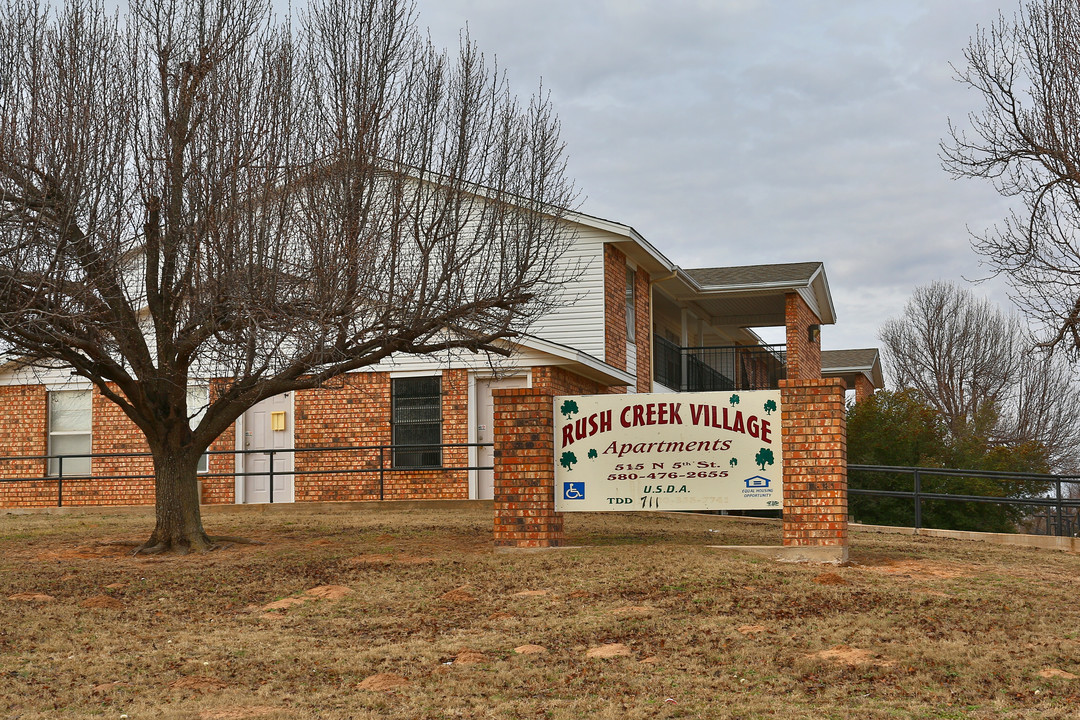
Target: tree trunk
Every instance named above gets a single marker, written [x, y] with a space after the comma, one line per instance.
[179, 521]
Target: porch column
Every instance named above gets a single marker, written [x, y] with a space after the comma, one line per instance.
[803, 343]
[863, 388]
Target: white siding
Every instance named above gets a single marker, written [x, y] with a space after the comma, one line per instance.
[578, 321]
[460, 360]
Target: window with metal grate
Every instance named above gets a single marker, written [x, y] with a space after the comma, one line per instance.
[416, 420]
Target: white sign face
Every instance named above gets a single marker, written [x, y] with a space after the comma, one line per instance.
[684, 451]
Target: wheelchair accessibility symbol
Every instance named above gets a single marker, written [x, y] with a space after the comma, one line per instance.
[573, 491]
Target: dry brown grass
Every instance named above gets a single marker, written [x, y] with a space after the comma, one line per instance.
[438, 626]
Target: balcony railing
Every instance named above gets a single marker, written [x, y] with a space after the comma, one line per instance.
[729, 367]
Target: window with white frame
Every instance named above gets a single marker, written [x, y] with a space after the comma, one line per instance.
[69, 432]
[631, 311]
[198, 398]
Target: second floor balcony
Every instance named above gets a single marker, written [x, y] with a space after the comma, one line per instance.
[732, 367]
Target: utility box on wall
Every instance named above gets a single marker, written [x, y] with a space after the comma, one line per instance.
[277, 420]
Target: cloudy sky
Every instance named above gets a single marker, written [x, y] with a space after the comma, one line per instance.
[733, 132]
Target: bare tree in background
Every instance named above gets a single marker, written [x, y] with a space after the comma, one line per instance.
[976, 367]
[1026, 141]
[197, 190]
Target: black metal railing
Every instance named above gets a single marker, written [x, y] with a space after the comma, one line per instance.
[370, 460]
[1039, 502]
[722, 367]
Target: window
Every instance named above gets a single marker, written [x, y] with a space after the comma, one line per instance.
[631, 314]
[69, 431]
[416, 419]
[197, 400]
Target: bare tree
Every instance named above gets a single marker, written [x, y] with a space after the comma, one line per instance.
[977, 368]
[197, 190]
[1026, 141]
[1044, 406]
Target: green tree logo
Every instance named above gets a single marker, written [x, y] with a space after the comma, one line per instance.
[734, 400]
[568, 459]
[770, 407]
[568, 408]
[733, 462]
[592, 454]
[764, 457]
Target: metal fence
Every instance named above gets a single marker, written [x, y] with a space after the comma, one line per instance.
[377, 463]
[1054, 513]
[721, 367]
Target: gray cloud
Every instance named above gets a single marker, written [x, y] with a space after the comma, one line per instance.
[754, 131]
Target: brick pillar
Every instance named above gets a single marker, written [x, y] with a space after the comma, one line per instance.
[863, 388]
[524, 434]
[815, 463]
[803, 351]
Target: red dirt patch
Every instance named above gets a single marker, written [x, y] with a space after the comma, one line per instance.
[329, 592]
[383, 682]
[458, 595]
[530, 649]
[1055, 673]
[752, 629]
[609, 650]
[830, 579]
[113, 549]
[102, 601]
[284, 604]
[31, 597]
[470, 657]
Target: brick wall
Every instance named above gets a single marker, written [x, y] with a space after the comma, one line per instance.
[643, 332]
[23, 428]
[559, 381]
[815, 462]
[525, 469]
[114, 432]
[220, 490]
[803, 354]
[355, 410]
[24, 424]
[615, 319]
[615, 308]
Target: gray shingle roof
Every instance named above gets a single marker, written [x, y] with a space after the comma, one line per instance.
[753, 274]
[862, 359]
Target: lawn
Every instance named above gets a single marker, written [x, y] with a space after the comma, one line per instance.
[369, 612]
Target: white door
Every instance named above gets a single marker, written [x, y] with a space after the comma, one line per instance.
[261, 436]
[485, 418]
